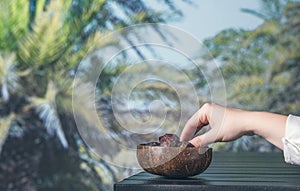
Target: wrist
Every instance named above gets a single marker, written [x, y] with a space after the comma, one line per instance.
[249, 122]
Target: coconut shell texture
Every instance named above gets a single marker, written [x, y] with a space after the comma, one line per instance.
[175, 162]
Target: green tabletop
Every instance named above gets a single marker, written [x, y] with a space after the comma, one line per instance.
[228, 171]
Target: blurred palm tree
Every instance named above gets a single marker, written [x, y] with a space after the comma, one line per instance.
[39, 55]
[36, 91]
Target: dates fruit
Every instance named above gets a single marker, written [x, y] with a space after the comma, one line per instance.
[170, 140]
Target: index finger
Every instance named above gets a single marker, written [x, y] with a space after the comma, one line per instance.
[194, 124]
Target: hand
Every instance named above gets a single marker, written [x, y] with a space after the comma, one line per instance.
[228, 124]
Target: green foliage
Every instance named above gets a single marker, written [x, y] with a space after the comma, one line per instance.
[261, 67]
[13, 25]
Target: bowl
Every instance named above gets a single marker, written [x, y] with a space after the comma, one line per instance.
[174, 162]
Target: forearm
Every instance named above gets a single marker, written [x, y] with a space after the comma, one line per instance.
[270, 126]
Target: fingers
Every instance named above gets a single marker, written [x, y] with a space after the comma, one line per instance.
[205, 139]
[195, 123]
[190, 128]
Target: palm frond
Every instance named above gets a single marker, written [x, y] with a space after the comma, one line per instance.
[48, 113]
[48, 41]
[72, 58]
[13, 22]
[254, 13]
[270, 10]
[47, 110]
[5, 124]
[8, 75]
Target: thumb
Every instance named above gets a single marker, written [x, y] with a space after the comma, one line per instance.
[205, 139]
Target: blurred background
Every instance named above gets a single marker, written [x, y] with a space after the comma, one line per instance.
[42, 42]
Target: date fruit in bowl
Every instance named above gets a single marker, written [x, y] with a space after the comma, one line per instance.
[172, 158]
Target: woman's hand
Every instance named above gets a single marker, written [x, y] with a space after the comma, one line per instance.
[228, 124]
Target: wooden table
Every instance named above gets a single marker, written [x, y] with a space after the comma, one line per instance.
[228, 171]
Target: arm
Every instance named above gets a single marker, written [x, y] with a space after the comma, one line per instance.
[228, 124]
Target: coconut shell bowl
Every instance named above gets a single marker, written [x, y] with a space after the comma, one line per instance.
[171, 158]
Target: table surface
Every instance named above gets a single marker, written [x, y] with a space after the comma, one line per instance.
[227, 171]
